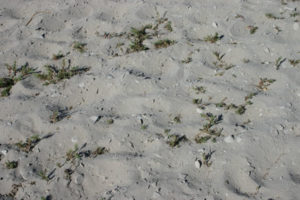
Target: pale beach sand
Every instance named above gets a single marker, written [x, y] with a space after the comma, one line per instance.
[169, 99]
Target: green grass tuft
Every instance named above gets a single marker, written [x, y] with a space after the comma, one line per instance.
[168, 26]
[252, 29]
[137, 38]
[163, 43]
[11, 164]
[79, 46]
[15, 74]
[213, 38]
[202, 139]
[58, 56]
[29, 144]
[174, 140]
[55, 74]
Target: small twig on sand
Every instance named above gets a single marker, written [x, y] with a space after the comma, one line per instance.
[36, 13]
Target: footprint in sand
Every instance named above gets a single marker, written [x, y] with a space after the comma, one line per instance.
[240, 183]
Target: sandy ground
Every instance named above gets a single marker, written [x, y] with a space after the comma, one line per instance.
[183, 113]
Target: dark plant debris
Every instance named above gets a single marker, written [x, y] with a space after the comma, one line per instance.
[174, 139]
[163, 43]
[213, 38]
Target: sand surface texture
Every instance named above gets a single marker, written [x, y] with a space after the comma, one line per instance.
[158, 99]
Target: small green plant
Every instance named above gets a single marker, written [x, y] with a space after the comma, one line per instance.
[202, 139]
[19, 73]
[140, 33]
[58, 56]
[220, 73]
[44, 176]
[206, 157]
[48, 197]
[241, 109]
[73, 154]
[220, 63]
[252, 29]
[15, 74]
[144, 126]
[250, 95]
[231, 106]
[6, 82]
[200, 104]
[76, 153]
[218, 55]
[137, 38]
[197, 101]
[112, 35]
[6, 92]
[213, 38]
[199, 89]
[110, 121]
[168, 26]
[174, 140]
[163, 43]
[220, 104]
[11, 164]
[29, 144]
[294, 62]
[278, 62]
[177, 119]
[212, 121]
[272, 16]
[264, 83]
[137, 46]
[167, 131]
[79, 46]
[58, 115]
[212, 131]
[54, 74]
[295, 14]
[99, 151]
